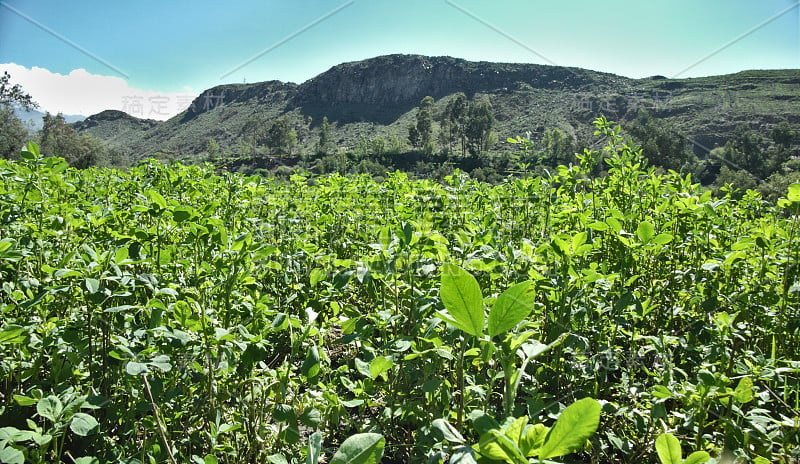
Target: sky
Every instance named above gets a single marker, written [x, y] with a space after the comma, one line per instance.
[150, 58]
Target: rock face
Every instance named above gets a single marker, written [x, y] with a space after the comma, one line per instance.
[269, 92]
[383, 88]
[117, 119]
[403, 79]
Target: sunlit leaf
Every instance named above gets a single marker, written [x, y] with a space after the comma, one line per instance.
[669, 449]
[462, 297]
[362, 448]
[574, 426]
[511, 307]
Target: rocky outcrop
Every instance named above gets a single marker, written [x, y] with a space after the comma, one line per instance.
[265, 93]
[406, 79]
[108, 116]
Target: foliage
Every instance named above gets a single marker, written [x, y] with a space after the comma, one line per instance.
[454, 122]
[281, 136]
[202, 316]
[662, 144]
[478, 130]
[14, 95]
[57, 138]
[420, 134]
[13, 133]
[324, 144]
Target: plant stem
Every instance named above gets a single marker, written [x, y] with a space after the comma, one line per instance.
[159, 425]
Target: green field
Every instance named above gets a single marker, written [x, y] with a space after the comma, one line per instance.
[175, 314]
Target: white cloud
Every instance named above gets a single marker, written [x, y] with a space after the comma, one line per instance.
[81, 92]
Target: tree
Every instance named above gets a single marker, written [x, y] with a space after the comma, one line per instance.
[746, 151]
[281, 136]
[456, 117]
[662, 144]
[783, 135]
[13, 95]
[425, 125]
[57, 138]
[558, 147]
[479, 126]
[413, 136]
[420, 134]
[212, 147]
[324, 144]
[13, 133]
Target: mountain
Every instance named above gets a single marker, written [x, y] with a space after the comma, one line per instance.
[33, 118]
[378, 97]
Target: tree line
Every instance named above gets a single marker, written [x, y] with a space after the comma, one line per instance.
[56, 137]
[464, 127]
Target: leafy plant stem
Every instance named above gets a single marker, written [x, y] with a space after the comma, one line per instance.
[159, 425]
[460, 374]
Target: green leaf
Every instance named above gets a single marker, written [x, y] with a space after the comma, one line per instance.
[162, 362]
[50, 408]
[482, 421]
[363, 367]
[93, 285]
[182, 214]
[210, 459]
[311, 417]
[744, 390]
[574, 426]
[284, 413]
[83, 424]
[316, 276]
[310, 367]
[662, 239]
[661, 392]
[156, 198]
[33, 149]
[669, 449]
[314, 448]
[533, 439]
[794, 192]
[12, 334]
[379, 365]
[511, 307]
[136, 368]
[614, 224]
[277, 459]
[447, 431]
[578, 240]
[224, 428]
[362, 448]
[645, 232]
[24, 400]
[5, 244]
[461, 295]
[698, 457]
[12, 456]
[494, 444]
[463, 455]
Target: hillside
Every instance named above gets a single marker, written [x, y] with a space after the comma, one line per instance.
[377, 98]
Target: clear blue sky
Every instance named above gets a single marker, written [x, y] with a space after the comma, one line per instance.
[169, 46]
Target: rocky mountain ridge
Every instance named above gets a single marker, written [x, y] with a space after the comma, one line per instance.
[377, 98]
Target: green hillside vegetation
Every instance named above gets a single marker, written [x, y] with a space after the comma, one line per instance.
[428, 116]
[607, 312]
[370, 105]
